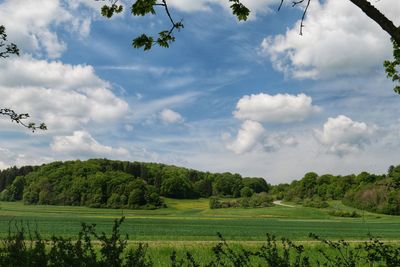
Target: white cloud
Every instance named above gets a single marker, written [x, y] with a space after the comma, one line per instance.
[252, 136]
[249, 136]
[9, 157]
[275, 142]
[81, 143]
[338, 39]
[342, 135]
[280, 108]
[147, 109]
[31, 24]
[65, 97]
[26, 71]
[169, 116]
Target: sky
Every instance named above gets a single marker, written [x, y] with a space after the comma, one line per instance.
[253, 98]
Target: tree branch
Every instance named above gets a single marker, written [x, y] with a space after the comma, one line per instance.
[373, 13]
[18, 118]
[295, 3]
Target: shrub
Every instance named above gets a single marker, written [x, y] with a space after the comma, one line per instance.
[343, 213]
[246, 192]
[315, 203]
[16, 251]
[214, 203]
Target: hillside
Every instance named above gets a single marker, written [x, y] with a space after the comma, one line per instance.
[118, 184]
[138, 185]
[370, 192]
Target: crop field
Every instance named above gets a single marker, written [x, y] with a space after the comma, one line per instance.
[189, 225]
[192, 220]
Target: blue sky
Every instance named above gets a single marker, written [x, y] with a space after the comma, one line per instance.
[253, 98]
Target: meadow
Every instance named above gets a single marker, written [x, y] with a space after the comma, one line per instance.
[189, 225]
[192, 220]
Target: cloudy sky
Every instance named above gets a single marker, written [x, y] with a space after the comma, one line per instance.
[253, 98]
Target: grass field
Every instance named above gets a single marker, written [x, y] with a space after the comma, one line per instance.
[192, 220]
[189, 225]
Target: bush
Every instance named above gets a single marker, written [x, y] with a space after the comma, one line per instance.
[246, 192]
[214, 203]
[315, 203]
[35, 252]
[255, 201]
[260, 200]
[343, 213]
[16, 251]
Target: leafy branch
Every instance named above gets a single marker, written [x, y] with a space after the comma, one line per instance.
[6, 49]
[19, 118]
[142, 8]
[392, 68]
[165, 37]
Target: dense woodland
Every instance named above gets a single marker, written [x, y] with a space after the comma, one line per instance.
[122, 184]
[118, 184]
[370, 192]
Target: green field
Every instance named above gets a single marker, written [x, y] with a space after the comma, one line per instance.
[192, 220]
[189, 225]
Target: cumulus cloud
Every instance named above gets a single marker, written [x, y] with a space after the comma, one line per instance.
[280, 108]
[249, 136]
[31, 24]
[275, 142]
[253, 136]
[342, 135]
[9, 157]
[66, 97]
[339, 39]
[169, 116]
[82, 143]
[26, 71]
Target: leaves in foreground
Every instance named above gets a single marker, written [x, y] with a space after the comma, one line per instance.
[112, 250]
[392, 68]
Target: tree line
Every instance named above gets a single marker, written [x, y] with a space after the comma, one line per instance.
[123, 184]
[366, 191]
[118, 184]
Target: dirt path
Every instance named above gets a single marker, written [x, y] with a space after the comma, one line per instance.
[279, 203]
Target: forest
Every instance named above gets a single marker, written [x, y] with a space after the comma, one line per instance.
[103, 183]
[118, 184]
[365, 191]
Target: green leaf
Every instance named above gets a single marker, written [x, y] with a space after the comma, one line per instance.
[143, 41]
[392, 67]
[108, 11]
[239, 10]
[143, 7]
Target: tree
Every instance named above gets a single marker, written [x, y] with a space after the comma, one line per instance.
[392, 67]
[144, 7]
[7, 49]
[166, 37]
[177, 187]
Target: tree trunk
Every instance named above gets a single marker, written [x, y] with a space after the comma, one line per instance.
[373, 13]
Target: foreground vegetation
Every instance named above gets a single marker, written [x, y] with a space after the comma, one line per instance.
[191, 226]
[113, 250]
